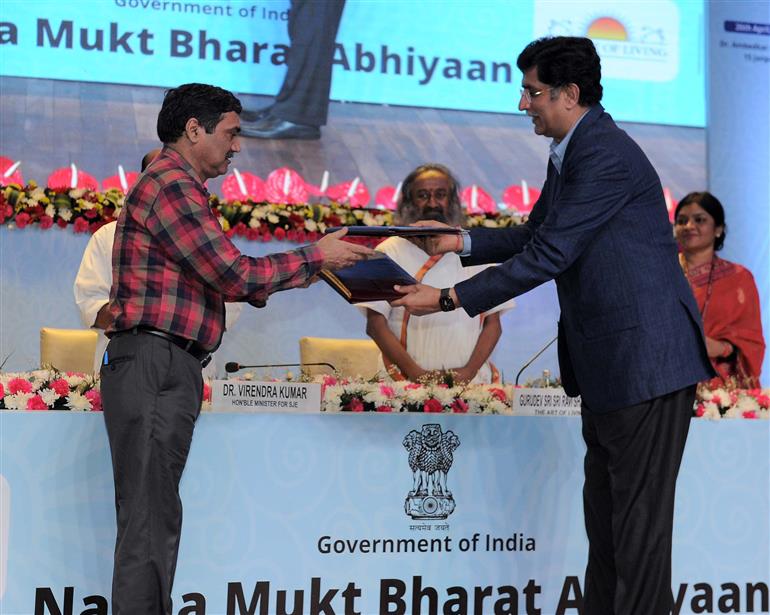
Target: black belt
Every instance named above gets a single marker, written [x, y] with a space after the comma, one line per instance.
[191, 346]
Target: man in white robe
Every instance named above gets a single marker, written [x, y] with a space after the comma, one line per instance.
[446, 341]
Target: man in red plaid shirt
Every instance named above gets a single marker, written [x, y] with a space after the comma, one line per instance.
[173, 269]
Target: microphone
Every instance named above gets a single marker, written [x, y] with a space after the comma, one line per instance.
[532, 360]
[232, 366]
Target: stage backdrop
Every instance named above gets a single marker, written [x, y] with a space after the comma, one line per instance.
[738, 136]
[455, 55]
[318, 505]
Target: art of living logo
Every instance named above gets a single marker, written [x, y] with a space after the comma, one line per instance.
[431, 453]
[636, 41]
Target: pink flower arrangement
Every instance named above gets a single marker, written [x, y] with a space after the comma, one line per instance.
[61, 387]
[48, 389]
[19, 385]
[356, 405]
[288, 217]
[36, 403]
[357, 395]
[459, 406]
[95, 398]
[728, 401]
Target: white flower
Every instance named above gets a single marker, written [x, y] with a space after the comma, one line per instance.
[711, 411]
[49, 396]
[376, 397]
[77, 401]
[245, 209]
[76, 193]
[74, 380]
[272, 218]
[42, 374]
[321, 227]
[721, 396]
[444, 395]
[733, 413]
[17, 402]
[253, 222]
[416, 395]
[37, 194]
[310, 225]
[50, 210]
[746, 403]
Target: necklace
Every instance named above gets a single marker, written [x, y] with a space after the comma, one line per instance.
[709, 284]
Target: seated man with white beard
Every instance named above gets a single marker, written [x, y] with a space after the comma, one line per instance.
[415, 348]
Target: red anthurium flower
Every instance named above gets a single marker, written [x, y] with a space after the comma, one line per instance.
[386, 198]
[482, 202]
[520, 197]
[10, 172]
[354, 193]
[285, 185]
[61, 179]
[241, 186]
[117, 183]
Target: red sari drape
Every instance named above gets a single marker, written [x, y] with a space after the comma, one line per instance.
[731, 314]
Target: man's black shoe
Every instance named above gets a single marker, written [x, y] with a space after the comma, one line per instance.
[275, 128]
[254, 115]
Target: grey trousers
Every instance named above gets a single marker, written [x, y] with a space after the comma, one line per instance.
[151, 395]
[631, 465]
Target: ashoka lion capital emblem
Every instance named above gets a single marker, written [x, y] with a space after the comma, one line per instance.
[430, 458]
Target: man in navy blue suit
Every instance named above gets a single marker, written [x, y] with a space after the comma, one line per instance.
[630, 334]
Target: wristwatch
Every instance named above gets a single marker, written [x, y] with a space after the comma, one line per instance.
[445, 301]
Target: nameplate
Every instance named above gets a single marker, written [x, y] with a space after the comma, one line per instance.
[252, 396]
[545, 402]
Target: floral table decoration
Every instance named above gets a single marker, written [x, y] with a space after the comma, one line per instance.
[50, 389]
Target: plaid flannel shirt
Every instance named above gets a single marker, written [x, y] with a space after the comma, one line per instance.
[173, 267]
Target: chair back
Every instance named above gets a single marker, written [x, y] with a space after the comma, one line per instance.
[68, 350]
[349, 357]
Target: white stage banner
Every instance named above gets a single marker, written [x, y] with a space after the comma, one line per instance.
[334, 513]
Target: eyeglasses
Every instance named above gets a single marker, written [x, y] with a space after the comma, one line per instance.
[528, 94]
[439, 195]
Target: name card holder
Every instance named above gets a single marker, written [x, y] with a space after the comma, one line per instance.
[544, 402]
[253, 396]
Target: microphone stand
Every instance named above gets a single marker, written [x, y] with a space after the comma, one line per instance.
[532, 360]
[233, 367]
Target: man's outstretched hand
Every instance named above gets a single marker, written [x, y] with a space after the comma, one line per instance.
[439, 244]
[418, 299]
[338, 253]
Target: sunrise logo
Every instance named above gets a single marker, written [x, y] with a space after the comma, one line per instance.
[607, 28]
[636, 41]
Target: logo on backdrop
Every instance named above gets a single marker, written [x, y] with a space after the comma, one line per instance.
[430, 459]
[635, 41]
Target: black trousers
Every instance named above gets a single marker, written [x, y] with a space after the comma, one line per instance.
[304, 95]
[631, 465]
[151, 394]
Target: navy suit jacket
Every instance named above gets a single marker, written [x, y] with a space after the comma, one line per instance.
[630, 329]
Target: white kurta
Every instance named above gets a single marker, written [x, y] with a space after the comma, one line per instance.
[440, 340]
[92, 290]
